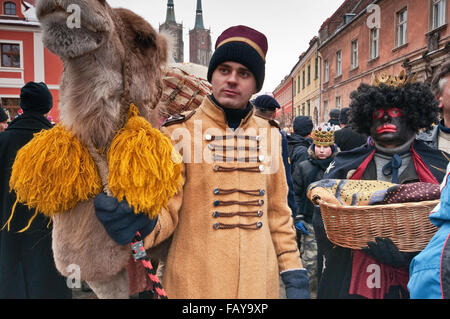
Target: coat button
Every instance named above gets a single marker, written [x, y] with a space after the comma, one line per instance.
[261, 192]
[215, 214]
[211, 147]
[260, 202]
[261, 158]
[216, 203]
[261, 168]
[259, 225]
[216, 226]
[208, 137]
[216, 168]
[258, 138]
[216, 191]
[260, 213]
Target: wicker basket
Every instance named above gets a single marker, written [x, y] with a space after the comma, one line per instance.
[406, 224]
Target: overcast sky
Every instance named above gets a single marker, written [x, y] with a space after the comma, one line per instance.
[289, 25]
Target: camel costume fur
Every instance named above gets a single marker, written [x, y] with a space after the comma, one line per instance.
[113, 61]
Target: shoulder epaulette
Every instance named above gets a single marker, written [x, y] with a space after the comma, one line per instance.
[178, 118]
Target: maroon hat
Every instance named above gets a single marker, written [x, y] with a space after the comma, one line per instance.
[243, 45]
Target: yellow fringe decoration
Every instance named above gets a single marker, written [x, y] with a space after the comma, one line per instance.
[141, 167]
[53, 172]
[29, 222]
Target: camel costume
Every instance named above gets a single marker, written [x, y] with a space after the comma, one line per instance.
[232, 228]
[104, 141]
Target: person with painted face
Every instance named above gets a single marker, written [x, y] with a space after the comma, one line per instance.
[390, 111]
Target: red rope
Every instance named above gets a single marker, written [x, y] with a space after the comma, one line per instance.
[139, 253]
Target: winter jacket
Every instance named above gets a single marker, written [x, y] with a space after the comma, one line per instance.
[430, 269]
[347, 139]
[302, 178]
[232, 230]
[298, 149]
[26, 259]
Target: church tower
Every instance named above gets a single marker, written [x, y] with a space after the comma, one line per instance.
[170, 26]
[199, 40]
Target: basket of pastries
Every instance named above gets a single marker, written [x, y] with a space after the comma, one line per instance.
[354, 212]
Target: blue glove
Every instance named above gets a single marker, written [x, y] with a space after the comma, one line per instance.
[119, 220]
[296, 283]
[301, 227]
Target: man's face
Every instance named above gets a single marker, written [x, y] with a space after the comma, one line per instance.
[389, 127]
[444, 97]
[233, 85]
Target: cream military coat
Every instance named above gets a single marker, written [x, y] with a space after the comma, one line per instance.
[231, 225]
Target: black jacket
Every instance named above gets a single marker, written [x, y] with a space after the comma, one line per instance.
[347, 139]
[305, 173]
[298, 148]
[27, 268]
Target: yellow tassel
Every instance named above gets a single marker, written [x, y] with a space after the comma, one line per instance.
[141, 167]
[29, 222]
[53, 172]
[8, 222]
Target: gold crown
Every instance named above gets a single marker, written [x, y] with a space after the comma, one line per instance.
[393, 80]
[323, 136]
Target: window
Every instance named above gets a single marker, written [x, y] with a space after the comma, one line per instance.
[303, 109]
[437, 13]
[309, 74]
[354, 54]
[308, 107]
[316, 68]
[374, 43]
[338, 102]
[298, 84]
[402, 23]
[339, 63]
[326, 71]
[293, 88]
[9, 8]
[12, 106]
[10, 54]
[303, 74]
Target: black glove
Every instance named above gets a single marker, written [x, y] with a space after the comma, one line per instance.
[296, 283]
[385, 251]
[119, 220]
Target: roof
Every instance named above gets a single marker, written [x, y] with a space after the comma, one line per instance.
[333, 23]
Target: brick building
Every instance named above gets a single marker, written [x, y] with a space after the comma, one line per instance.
[354, 43]
[23, 56]
[283, 95]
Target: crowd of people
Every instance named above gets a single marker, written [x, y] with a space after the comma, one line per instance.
[241, 229]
